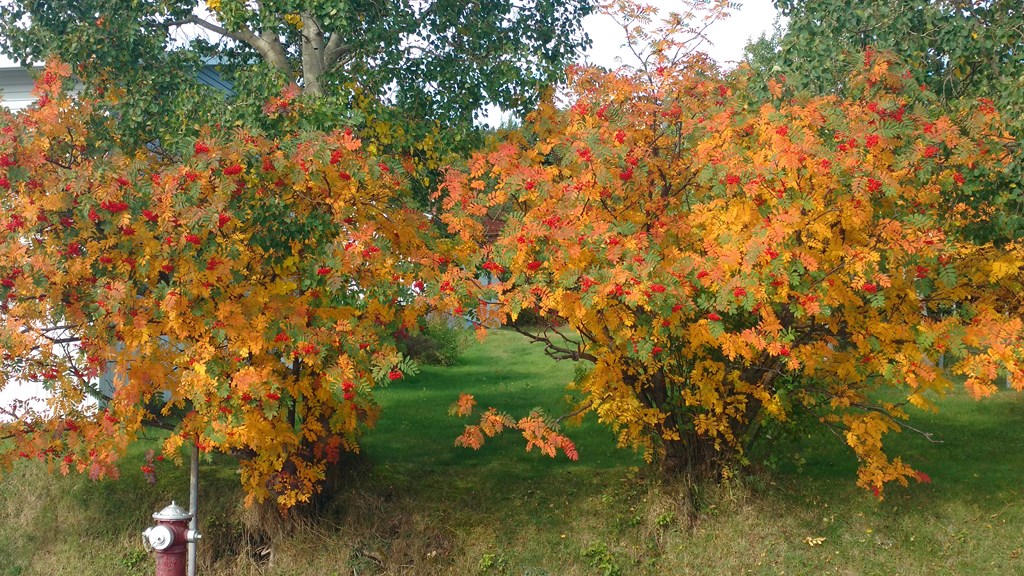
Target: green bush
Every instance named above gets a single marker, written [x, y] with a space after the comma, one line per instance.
[440, 341]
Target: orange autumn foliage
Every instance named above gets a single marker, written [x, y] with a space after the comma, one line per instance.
[244, 293]
[726, 265]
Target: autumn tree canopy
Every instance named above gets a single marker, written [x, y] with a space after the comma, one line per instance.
[243, 292]
[437, 60]
[725, 265]
[959, 51]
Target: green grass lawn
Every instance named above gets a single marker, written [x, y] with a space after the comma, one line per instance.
[415, 504]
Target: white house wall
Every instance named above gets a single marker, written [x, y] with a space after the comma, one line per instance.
[15, 87]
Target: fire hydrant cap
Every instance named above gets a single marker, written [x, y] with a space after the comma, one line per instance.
[172, 512]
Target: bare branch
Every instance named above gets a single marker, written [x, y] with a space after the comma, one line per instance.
[555, 351]
[929, 436]
[154, 422]
[575, 412]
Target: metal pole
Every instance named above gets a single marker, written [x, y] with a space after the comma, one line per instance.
[193, 507]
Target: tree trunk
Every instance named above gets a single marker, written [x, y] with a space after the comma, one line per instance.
[313, 55]
[693, 458]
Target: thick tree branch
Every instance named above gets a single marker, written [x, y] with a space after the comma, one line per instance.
[266, 44]
[333, 51]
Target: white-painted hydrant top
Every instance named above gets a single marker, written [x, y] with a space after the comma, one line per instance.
[172, 513]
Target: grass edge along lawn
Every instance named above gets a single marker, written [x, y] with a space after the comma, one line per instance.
[415, 504]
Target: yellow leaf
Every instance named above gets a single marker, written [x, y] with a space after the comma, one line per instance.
[1001, 269]
[293, 19]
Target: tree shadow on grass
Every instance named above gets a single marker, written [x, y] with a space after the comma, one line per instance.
[978, 454]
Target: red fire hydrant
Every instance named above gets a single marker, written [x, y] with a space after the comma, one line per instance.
[169, 539]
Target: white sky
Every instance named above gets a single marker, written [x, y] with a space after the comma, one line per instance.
[728, 37]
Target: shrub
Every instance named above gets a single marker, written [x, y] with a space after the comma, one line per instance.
[440, 341]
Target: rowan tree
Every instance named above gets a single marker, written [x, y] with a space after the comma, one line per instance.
[243, 292]
[725, 265]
